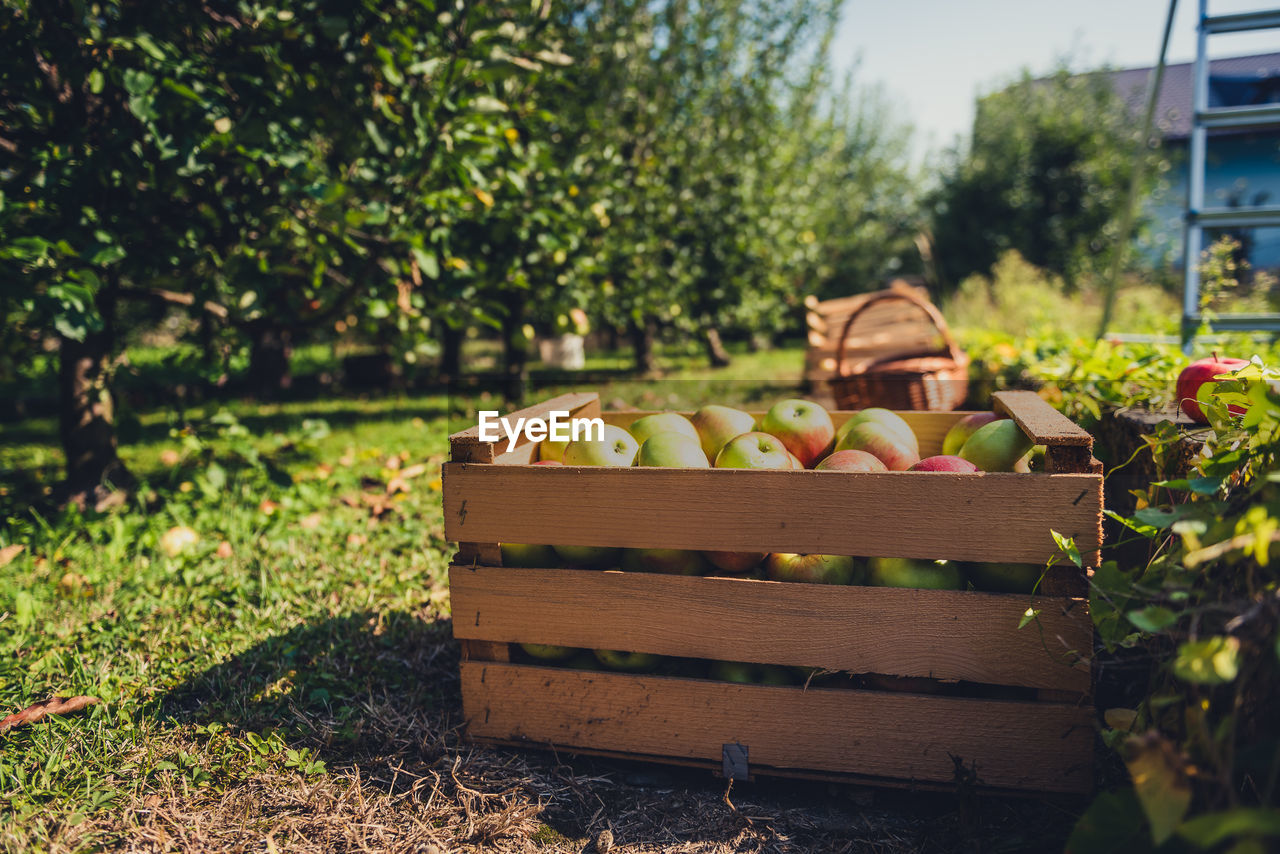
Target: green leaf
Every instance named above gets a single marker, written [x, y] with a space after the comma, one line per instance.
[1160, 782]
[1027, 616]
[1153, 618]
[1198, 485]
[24, 608]
[96, 81]
[1212, 829]
[1111, 825]
[427, 263]
[1213, 661]
[1068, 545]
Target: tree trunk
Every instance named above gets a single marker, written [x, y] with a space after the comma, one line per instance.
[269, 352]
[716, 353]
[642, 336]
[515, 357]
[86, 413]
[451, 352]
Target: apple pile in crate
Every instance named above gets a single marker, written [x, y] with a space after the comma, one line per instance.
[794, 434]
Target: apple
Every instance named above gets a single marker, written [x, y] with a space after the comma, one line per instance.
[583, 660]
[616, 448]
[1197, 374]
[1005, 577]
[814, 569]
[735, 563]
[944, 462]
[664, 561]
[906, 572]
[851, 461]
[552, 450]
[674, 450]
[717, 424]
[747, 673]
[528, 556]
[996, 446]
[888, 418]
[548, 463]
[663, 422]
[803, 426]
[753, 451]
[881, 441]
[548, 652]
[632, 662]
[589, 557]
[963, 429]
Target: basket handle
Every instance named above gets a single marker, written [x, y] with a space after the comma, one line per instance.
[930, 310]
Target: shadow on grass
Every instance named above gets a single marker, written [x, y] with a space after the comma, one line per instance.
[376, 697]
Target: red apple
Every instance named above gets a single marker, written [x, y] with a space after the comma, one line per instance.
[735, 563]
[964, 428]
[753, 451]
[664, 561]
[814, 569]
[851, 461]
[795, 462]
[882, 442]
[548, 463]
[1197, 374]
[944, 462]
[716, 425]
[803, 426]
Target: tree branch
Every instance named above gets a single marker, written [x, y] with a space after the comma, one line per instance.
[174, 298]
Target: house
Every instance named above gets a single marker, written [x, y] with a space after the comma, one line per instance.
[1242, 166]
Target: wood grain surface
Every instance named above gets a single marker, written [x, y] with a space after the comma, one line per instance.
[943, 634]
[1043, 746]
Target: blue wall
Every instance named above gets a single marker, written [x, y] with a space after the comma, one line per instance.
[1243, 169]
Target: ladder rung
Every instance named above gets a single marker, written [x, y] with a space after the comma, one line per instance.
[1240, 322]
[1240, 22]
[1230, 117]
[1253, 217]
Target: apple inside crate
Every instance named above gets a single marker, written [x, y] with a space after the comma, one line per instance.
[1001, 682]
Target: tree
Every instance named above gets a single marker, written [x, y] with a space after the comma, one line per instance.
[1047, 173]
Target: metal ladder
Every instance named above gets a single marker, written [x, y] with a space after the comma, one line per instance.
[1198, 217]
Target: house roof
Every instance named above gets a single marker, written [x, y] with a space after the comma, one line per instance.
[1232, 81]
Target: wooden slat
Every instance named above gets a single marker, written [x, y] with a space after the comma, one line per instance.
[1044, 746]
[984, 516]
[482, 650]
[1044, 424]
[466, 446]
[943, 634]
[486, 554]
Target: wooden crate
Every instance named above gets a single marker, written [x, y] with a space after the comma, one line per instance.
[1042, 741]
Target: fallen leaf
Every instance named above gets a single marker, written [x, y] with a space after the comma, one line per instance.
[435, 485]
[392, 463]
[224, 550]
[186, 486]
[311, 521]
[8, 553]
[323, 471]
[347, 460]
[268, 506]
[175, 540]
[170, 457]
[36, 711]
[413, 471]
[356, 539]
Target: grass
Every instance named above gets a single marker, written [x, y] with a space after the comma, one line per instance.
[287, 681]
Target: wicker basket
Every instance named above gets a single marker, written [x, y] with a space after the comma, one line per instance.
[937, 380]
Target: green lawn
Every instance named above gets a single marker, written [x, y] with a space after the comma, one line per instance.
[287, 681]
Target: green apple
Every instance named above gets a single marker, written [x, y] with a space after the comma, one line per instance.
[753, 451]
[528, 556]
[548, 652]
[906, 572]
[735, 563]
[1005, 577]
[803, 426]
[589, 557]
[883, 442]
[662, 422]
[814, 569]
[747, 673]
[673, 450]
[616, 448]
[552, 450]
[716, 425]
[632, 662]
[664, 561]
[963, 429]
[997, 446]
[889, 419]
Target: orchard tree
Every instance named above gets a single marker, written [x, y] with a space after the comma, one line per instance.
[1047, 173]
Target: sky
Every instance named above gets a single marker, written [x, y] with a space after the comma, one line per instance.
[933, 57]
